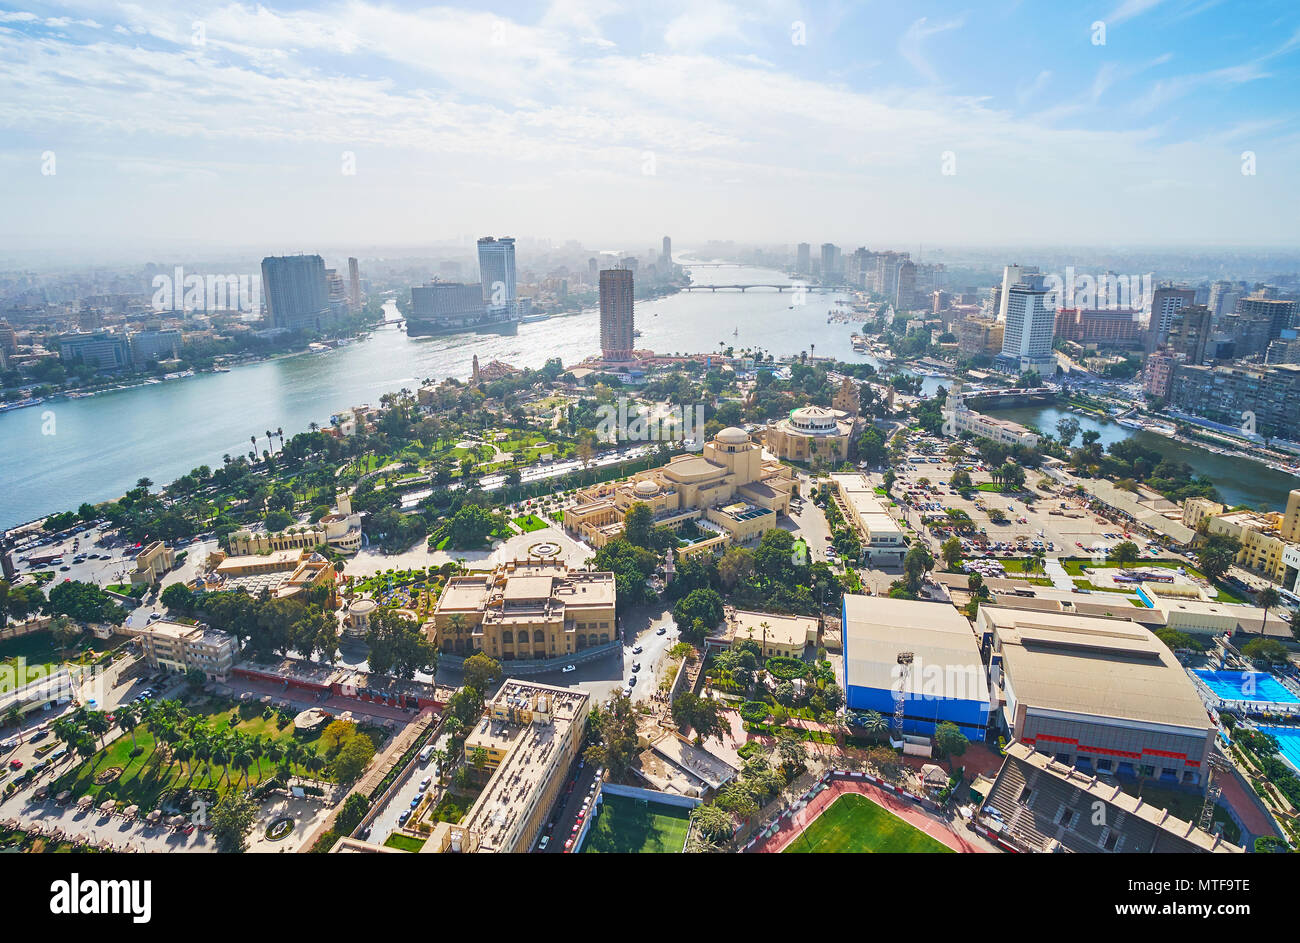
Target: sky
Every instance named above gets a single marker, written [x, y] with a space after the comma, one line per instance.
[1008, 122]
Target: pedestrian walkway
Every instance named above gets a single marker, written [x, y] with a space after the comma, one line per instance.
[1056, 573]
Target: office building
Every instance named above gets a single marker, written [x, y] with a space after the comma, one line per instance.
[1028, 325]
[496, 266]
[296, 292]
[830, 262]
[1011, 275]
[960, 419]
[616, 314]
[173, 646]
[443, 307]
[803, 259]
[1165, 303]
[154, 346]
[1158, 373]
[980, 336]
[1189, 333]
[1103, 329]
[667, 256]
[354, 285]
[1279, 313]
[905, 294]
[102, 350]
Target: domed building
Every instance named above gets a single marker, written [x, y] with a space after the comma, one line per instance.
[811, 433]
[728, 493]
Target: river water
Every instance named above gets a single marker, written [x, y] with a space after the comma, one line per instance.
[1239, 481]
[65, 451]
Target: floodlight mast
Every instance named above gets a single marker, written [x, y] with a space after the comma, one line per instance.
[900, 695]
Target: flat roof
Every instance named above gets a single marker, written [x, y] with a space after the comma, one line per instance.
[877, 628]
[1092, 665]
[780, 629]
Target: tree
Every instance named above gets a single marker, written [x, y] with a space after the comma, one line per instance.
[1067, 427]
[699, 713]
[949, 741]
[231, 819]
[178, 597]
[697, 614]
[713, 822]
[354, 810]
[1267, 650]
[951, 551]
[616, 729]
[1124, 552]
[353, 758]
[638, 523]
[470, 527]
[398, 646]
[1216, 554]
[916, 564]
[1266, 599]
[84, 602]
[480, 671]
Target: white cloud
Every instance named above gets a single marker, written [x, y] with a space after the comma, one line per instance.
[910, 45]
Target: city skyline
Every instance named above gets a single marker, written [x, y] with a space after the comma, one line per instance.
[771, 123]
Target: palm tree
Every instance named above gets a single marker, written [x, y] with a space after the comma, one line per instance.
[184, 752]
[241, 757]
[202, 746]
[1267, 598]
[257, 749]
[219, 755]
[128, 719]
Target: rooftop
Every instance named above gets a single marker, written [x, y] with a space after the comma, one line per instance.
[1096, 666]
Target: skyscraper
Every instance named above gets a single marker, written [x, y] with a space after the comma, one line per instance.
[297, 295]
[1189, 333]
[1165, 303]
[496, 265]
[1011, 275]
[830, 261]
[1030, 325]
[616, 323]
[354, 285]
[905, 296]
[667, 257]
[803, 263]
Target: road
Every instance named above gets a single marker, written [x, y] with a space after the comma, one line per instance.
[385, 822]
[560, 825]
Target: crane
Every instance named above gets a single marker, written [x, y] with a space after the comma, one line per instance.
[900, 695]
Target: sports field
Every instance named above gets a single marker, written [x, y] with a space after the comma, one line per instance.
[634, 826]
[854, 824]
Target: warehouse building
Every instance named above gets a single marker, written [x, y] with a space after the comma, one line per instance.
[945, 680]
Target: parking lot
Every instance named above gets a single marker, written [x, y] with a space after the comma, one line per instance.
[1000, 524]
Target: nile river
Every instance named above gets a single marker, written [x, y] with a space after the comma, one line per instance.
[55, 455]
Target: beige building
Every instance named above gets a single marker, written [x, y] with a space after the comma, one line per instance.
[530, 734]
[152, 562]
[174, 646]
[525, 610]
[340, 530]
[960, 418]
[882, 537]
[1263, 536]
[283, 573]
[776, 635]
[728, 490]
[810, 434]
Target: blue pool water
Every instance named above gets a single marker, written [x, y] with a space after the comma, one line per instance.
[1145, 598]
[1246, 686]
[1288, 741]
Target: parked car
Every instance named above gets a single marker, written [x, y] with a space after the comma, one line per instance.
[661, 630]
[567, 668]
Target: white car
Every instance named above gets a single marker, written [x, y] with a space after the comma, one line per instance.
[567, 668]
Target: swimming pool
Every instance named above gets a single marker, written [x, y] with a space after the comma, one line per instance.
[1255, 686]
[1288, 741]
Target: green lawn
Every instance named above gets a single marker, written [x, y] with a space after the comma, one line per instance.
[146, 775]
[38, 649]
[854, 824]
[404, 842]
[530, 522]
[633, 826]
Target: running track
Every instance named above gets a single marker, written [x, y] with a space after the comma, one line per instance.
[794, 825]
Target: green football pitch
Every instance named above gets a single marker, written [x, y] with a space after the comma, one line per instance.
[634, 826]
[854, 824]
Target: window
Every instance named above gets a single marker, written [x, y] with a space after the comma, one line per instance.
[1111, 841]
